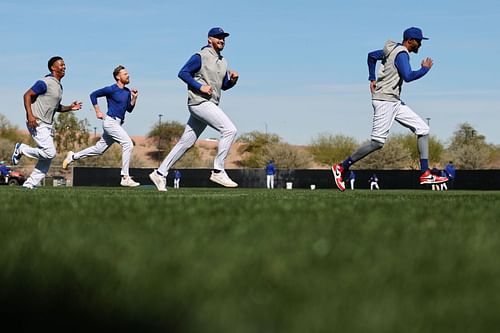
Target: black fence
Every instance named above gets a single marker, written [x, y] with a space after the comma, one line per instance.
[300, 178]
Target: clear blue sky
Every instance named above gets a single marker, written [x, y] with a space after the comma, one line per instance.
[302, 64]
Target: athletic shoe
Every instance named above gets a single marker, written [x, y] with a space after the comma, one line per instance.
[338, 171]
[159, 181]
[222, 178]
[16, 155]
[28, 186]
[68, 160]
[428, 178]
[128, 182]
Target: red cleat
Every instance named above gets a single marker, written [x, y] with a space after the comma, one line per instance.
[338, 171]
[428, 178]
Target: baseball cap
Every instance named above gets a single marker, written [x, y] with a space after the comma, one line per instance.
[413, 33]
[217, 32]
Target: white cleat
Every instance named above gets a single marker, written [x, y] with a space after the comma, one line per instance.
[128, 182]
[68, 160]
[16, 155]
[223, 179]
[159, 181]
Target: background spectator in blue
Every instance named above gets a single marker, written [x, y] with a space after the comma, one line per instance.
[4, 171]
[450, 172]
[351, 178]
[436, 172]
[374, 182]
[270, 171]
[177, 179]
[444, 187]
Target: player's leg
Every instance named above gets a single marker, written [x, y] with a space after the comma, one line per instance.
[218, 120]
[101, 146]
[409, 119]
[46, 151]
[118, 134]
[192, 131]
[98, 149]
[383, 117]
[43, 137]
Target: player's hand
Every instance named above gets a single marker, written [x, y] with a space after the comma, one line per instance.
[206, 89]
[134, 93]
[32, 122]
[373, 85]
[427, 62]
[99, 115]
[233, 76]
[75, 106]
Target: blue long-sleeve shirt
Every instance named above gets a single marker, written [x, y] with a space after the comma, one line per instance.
[192, 66]
[402, 63]
[119, 100]
[270, 169]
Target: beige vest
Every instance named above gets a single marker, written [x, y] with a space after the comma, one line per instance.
[212, 72]
[46, 105]
[389, 82]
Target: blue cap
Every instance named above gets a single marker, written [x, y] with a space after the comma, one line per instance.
[217, 32]
[413, 33]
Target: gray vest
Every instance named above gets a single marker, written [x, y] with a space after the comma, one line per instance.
[389, 82]
[212, 72]
[46, 105]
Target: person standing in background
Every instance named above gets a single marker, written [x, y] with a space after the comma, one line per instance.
[374, 182]
[451, 174]
[351, 179]
[177, 178]
[270, 172]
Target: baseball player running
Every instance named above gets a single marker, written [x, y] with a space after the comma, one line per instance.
[387, 105]
[120, 100]
[41, 102]
[206, 73]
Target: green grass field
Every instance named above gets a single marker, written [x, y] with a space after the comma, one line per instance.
[250, 260]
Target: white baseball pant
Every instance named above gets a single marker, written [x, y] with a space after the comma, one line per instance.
[43, 135]
[203, 114]
[384, 114]
[112, 132]
[270, 181]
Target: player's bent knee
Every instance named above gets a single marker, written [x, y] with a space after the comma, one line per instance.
[230, 132]
[423, 130]
[128, 145]
[49, 154]
[377, 144]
